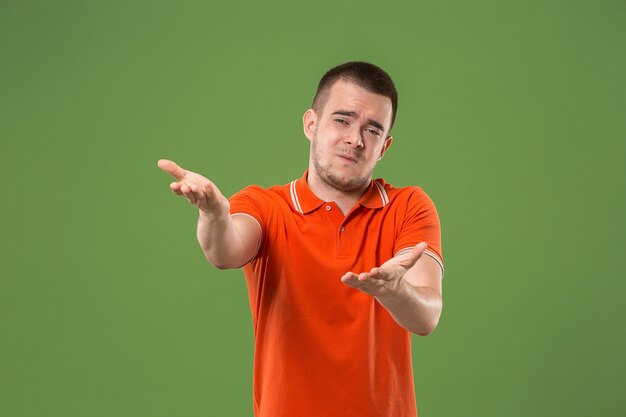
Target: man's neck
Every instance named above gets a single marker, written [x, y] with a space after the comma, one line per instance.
[346, 200]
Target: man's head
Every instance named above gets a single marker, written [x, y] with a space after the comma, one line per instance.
[349, 126]
[363, 74]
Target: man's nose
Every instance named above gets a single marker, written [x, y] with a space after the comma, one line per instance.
[355, 138]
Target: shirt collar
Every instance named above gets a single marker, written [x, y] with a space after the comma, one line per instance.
[304, 201]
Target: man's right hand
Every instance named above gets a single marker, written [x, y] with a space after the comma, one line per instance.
[227, 242]
[197, 189]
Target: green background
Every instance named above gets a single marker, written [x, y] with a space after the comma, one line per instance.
[511, 116]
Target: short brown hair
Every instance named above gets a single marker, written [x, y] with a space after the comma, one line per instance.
[363, 74]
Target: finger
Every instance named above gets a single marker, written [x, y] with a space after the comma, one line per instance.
[364, 276]
[418, 250]
[210, 190]
[172, 168]
[189, 195]
[375, 272]
[349, 277]
[384, 274]
[352, 280]
[175, 187]
[211, 193]
[203, 202]
[200, 195]
[408, 259]
[193, 193]
[194, 189]
[192, 199]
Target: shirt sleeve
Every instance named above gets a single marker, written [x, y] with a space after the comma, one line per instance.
[420, 224]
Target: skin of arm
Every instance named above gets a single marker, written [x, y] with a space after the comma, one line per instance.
[227, 241]
[408, 286]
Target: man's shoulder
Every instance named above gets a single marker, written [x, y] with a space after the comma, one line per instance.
[260, 202]
[263, 195]
[258, 190]
[404, 194]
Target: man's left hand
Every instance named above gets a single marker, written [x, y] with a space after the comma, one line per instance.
[386, 278]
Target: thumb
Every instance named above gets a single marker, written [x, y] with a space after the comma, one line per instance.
[420, 248]
[171, 168]
[418, 251]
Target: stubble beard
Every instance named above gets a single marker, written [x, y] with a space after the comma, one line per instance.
[333, 180]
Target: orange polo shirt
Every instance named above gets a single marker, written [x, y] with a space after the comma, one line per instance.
[322, 348]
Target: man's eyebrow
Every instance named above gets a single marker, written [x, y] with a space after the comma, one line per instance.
[354, 114]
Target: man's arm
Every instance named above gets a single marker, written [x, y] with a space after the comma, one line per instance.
[227, 241]
[408, 286]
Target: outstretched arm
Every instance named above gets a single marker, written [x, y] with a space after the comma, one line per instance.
[227, 241]
[408, 286]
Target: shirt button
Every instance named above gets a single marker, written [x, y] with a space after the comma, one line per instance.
[327, 208]
[341, 229]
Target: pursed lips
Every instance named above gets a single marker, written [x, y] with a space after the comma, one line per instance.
[348, 158]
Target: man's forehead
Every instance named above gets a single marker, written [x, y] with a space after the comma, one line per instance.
[347, 96]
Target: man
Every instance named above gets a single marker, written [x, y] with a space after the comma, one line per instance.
[340, 268]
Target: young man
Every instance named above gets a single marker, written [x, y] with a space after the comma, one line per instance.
[340, 268]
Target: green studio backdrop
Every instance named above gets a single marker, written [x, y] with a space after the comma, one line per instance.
[511, 117]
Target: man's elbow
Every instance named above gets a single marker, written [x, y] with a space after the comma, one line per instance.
[221, 267]
[221, 264]
[428, 326]
[424, 332]
[426, 329]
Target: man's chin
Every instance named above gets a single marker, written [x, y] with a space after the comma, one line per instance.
[346, 184]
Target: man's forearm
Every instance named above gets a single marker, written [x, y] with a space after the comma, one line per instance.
[221, 243]
[417, 309]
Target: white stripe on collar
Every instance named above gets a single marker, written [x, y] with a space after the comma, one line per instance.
[383, 194]
[294, 197]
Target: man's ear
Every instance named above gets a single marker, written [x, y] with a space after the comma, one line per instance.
[309, 123]
[386, 146]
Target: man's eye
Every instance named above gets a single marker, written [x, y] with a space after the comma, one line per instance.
[374, 132]
[341, 121]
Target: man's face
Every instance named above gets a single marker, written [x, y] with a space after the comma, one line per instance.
[349, 136]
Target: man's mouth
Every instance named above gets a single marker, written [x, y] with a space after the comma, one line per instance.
[348, 158]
